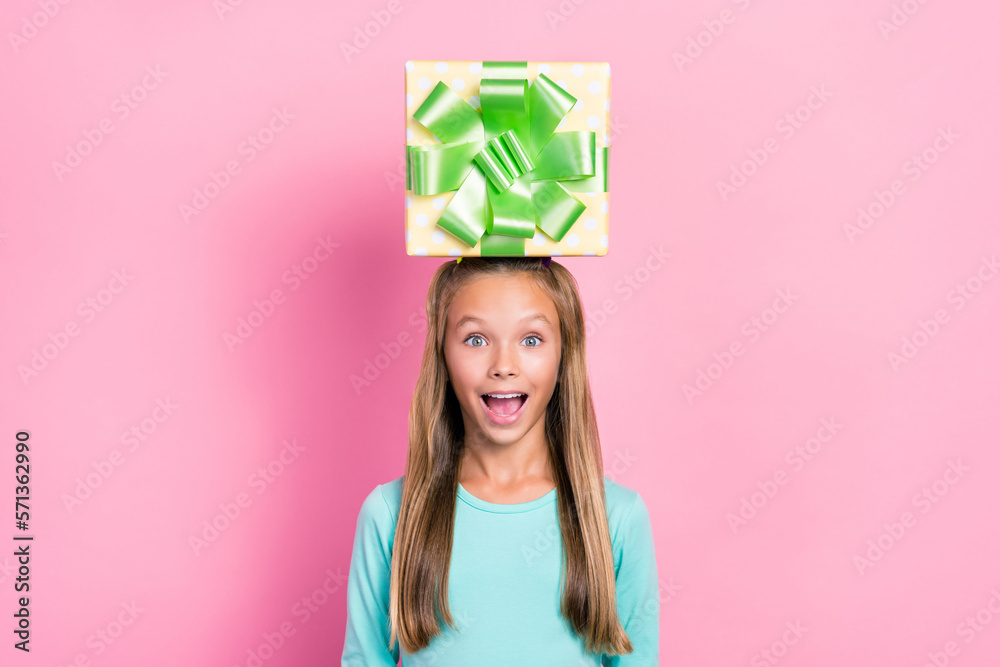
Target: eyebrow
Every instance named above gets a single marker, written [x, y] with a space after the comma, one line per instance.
[531, 317]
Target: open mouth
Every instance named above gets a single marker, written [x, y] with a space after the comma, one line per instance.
[504, 404]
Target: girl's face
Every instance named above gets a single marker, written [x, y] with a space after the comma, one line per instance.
[503, 337]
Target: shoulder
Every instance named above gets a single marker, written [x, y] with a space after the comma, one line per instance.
[380, 508]
[620, 500]
[387, 495]
[384, 499]
[628, 515]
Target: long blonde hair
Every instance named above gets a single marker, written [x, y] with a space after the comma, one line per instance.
[423, 539]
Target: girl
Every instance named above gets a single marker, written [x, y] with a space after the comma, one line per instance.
[503, 543]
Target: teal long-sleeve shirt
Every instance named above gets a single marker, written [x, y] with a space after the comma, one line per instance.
[503, 586]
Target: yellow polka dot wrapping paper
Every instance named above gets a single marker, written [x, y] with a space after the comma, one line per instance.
[528, 175]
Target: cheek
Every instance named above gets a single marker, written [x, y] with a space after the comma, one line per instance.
[545, 370]
[459, 369]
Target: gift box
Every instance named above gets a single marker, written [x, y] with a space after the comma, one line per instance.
[507, 158]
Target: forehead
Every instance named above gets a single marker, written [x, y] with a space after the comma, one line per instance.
[501, 300]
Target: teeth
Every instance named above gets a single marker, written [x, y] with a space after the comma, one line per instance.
[504, 395]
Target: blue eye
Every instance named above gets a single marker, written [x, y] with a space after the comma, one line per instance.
[474, 336]
[536, 338]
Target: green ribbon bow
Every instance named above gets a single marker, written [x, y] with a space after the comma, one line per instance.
[512, 170]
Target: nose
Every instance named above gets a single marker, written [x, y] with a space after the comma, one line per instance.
[504, 363]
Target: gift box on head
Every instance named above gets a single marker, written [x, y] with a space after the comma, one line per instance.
[507, 159]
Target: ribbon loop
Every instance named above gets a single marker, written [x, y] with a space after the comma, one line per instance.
[555, 208]
[549, 105]
[441, 167]
[448, 116]
[513, 210]
[503, 160]
[567, 156]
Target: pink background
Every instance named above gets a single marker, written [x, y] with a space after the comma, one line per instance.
[329, 173]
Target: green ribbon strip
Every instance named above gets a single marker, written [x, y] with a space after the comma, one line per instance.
[512, 171]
